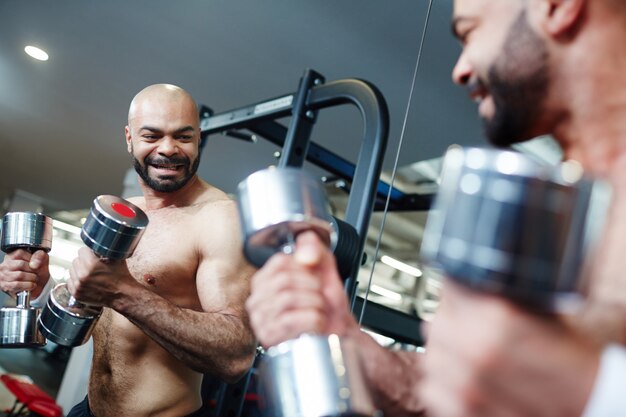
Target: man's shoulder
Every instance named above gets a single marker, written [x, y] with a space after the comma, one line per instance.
[216, 201]
[218, 215]
[139, 201]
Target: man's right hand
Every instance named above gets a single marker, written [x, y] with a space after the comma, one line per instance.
[489, 357]
[299, 293]
[23, 271]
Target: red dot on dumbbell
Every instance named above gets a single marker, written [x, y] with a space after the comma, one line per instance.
[123, 210]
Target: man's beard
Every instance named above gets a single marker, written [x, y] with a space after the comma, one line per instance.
[518, 82]
[166, 184]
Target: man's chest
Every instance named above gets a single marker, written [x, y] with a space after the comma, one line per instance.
[166, 259]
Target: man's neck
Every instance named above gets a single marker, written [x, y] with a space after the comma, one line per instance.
[183, 197]
[598, 140]
[593, 130]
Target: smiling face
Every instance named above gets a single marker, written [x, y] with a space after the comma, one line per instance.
[504, 66]
[163, 136]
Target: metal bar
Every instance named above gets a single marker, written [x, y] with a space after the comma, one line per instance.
[371, 103]
[320, 156]
[392, 323]
[302, 121]
[240, 118]
[408, 202]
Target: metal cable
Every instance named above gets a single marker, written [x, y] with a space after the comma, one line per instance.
[395, 165]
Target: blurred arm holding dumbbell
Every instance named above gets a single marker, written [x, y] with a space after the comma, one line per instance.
[22, 271]
[486, 355]
[505, 360]
[303, 293]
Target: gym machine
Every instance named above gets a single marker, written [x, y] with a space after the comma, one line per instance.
[314, 94]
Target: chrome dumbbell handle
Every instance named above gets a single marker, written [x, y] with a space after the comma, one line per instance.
[23, 299]
[75, 303]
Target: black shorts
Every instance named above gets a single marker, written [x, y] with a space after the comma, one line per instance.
[82, 410]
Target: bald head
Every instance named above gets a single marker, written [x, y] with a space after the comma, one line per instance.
[161, 96]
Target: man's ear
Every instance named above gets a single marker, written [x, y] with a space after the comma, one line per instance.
[128, 139]
[560, 17]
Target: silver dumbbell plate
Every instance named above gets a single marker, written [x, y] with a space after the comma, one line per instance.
[506, 224]
[277, 204]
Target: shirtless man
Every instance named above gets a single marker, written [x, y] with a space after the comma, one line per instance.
[535, 67]
[175, 309]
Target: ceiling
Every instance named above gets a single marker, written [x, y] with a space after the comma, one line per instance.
[62, 120]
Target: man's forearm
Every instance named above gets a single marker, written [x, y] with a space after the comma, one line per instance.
[217, 343]
[392, 377]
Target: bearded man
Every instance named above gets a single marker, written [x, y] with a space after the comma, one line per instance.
[175, 309]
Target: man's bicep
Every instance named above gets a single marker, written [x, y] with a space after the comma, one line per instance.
[223, 283]
[223, 275]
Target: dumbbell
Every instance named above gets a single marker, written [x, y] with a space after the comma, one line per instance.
[507, 224]
[272, 217]
[112, 230]
[32, 232]
[277, 204]
[313, 375]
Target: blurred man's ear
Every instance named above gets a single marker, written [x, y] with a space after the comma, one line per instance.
[129, 145]
[559, 17]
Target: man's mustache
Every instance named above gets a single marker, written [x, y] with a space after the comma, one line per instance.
[476, 86]
[167, 161]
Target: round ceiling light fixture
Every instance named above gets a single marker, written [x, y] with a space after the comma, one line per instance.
[36, 53]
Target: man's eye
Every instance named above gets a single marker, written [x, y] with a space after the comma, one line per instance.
[150, 137]
[465, 36]
[185, 137]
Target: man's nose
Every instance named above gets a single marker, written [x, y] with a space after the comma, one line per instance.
[167, 146]
[462, 72]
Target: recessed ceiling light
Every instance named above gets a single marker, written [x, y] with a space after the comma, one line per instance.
[36, 53]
